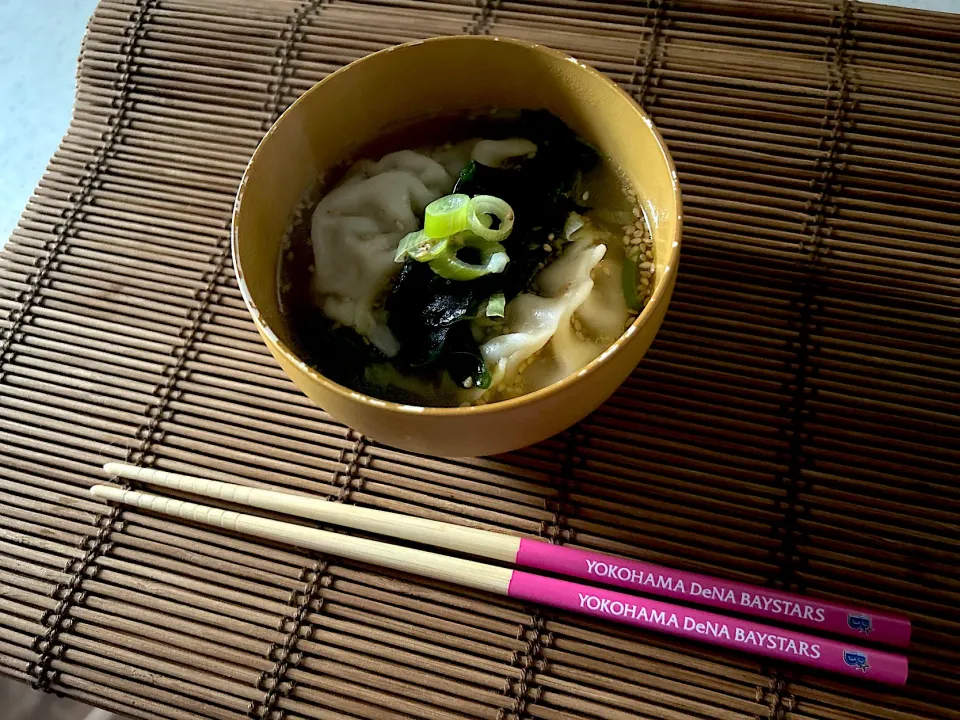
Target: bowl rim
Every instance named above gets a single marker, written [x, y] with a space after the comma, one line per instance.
[593, 366]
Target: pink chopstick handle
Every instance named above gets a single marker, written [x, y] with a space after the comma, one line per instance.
[774, 605]
[787, 645]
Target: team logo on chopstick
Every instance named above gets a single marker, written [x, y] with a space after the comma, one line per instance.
[861, 623]
[856, 659]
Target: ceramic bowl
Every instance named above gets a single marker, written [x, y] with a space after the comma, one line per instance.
[343, 113]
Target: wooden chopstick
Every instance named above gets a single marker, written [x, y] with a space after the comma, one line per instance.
[712, 628]
[772, 605]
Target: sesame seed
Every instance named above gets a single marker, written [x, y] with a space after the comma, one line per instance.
[636, 212]
[586, 195]
[645, 265]
[649, 254]
[648, 240]
[290, 255]
[550, 237]
[638, 225]
[546, 247]
[626, 239]
[468, 383]
[635, 241]
[644, 280]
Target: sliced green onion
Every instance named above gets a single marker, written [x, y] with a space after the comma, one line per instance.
[466, 175]
[431, 249]
[408, 243]
[484, 380]
[487, 205]
[496, 305]
[446, 216]
[418, 246]
[493, 259]
[498, 263]
[629, 282]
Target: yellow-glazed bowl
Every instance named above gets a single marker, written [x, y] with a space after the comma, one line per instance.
[336, 118]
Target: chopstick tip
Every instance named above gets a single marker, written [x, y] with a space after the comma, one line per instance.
[106, 492]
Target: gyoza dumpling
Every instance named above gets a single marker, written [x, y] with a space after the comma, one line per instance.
[574, 266]
[486, 152]
[431, 173]
[543, 324]
[496, 152]
[355, 231]
[455, 156]
[604, 313]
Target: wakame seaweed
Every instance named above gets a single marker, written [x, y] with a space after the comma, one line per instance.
[424, 307]
[429, 314]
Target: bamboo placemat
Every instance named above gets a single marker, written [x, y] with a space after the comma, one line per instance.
[795, 424]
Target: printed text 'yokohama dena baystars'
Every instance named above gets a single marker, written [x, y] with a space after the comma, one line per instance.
[664, 581]
[728, 630]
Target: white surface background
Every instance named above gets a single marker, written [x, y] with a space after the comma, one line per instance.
[39, 45]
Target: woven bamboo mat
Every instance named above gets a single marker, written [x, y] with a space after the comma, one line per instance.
[795, 424]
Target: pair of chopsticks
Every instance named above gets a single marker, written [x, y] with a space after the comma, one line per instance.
[715, 629]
